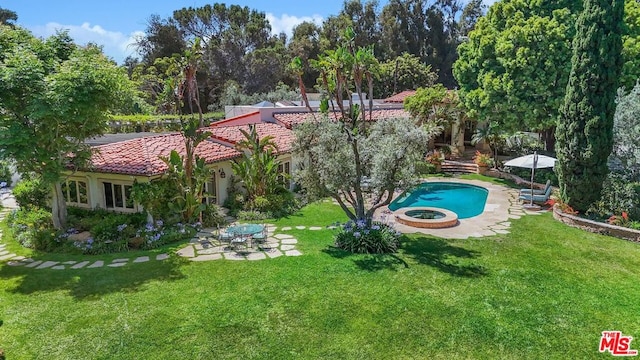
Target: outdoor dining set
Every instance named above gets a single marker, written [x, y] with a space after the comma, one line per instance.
[244, 236]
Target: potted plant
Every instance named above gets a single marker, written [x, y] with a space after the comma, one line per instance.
[483, 161]
[435, 158]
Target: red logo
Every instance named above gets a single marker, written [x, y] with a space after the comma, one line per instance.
[617, 344]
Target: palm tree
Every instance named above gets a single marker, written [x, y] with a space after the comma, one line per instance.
[491, 134]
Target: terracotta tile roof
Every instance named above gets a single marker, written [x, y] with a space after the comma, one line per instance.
[283, 136]
[399, 97]
[291, 119]
[142, 156]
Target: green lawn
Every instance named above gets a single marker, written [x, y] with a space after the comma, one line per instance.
[543, 291]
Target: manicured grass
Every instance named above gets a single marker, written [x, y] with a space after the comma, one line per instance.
[542, 291]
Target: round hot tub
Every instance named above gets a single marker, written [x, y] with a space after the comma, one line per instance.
[426, 217]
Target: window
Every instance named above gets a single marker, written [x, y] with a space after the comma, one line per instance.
[209, 195]
[117, 196]
[75, 192]
[285, 168]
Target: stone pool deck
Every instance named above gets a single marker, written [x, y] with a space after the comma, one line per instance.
[501, 207]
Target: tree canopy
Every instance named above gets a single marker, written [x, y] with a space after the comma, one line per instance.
[513, 70]
[53, 96]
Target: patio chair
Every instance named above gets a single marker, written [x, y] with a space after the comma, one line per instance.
[238, 242]
[261, 239]
[224, 236]
[542, 198]
[536, 191]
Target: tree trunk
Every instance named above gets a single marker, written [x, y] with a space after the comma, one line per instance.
[58, 207]
[550, 139]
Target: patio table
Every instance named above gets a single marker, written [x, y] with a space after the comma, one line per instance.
[245, 230]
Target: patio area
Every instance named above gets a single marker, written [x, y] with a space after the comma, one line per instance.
[205, 246]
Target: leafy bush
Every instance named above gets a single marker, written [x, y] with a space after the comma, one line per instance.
[617, 196]
[482, 159]
[32, 228]
[155, 197]
[253, 215]
[235, 199]
[357, 237]
[212, 217]
[520, 144]
[425, 168]
[540, 176]
[273, 205]
[32, 193]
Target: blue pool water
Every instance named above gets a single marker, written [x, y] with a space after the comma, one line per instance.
[463, 199]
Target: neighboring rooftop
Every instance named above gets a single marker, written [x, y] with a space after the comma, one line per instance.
[399, 97]
[291, 119]
[113, 138]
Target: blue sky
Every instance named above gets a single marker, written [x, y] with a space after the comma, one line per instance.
[115, 23]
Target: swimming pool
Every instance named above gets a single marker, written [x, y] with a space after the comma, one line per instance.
[464, 199]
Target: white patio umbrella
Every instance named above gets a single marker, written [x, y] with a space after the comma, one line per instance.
[533, 162]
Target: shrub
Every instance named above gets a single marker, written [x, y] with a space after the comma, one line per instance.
[357, 237]
[425, 168]
[32, 193]
[435, 158]
[482, 159]
[617, 196]
[273, 205]
[32, 228]
[252, 215]
[212, 217]
[540, 176]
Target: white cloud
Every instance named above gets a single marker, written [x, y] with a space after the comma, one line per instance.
[285, 23]
[115, 44]
[489, 2]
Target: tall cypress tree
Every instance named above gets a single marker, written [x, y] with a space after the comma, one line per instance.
[585, 127]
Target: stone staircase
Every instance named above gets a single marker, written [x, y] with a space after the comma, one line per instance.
[449, 166]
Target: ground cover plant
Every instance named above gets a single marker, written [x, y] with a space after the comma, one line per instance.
[507, 296]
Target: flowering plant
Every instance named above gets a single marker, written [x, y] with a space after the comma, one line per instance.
[563, 206]
[481, 159]
[435, 157]
[367, 237]
[620, 220]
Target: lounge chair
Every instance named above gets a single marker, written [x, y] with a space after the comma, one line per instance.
[536, 191]
[542, 198]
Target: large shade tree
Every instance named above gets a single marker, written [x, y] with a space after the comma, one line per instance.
[358, 163]
[585, 127]
[513, 70]
[53, 96]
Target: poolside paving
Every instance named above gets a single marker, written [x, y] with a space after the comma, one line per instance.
[502, 205]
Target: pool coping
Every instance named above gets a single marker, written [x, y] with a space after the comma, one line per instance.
[450, 218]
[501, 206]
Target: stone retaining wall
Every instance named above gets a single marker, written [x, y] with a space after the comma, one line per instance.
[596, 227]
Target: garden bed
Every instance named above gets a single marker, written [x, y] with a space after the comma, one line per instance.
[596, 227]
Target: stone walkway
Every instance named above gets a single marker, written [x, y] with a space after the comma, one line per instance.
[501, 207]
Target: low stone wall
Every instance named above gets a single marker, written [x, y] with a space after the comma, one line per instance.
[596, 227]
